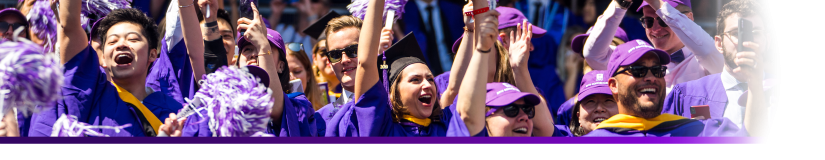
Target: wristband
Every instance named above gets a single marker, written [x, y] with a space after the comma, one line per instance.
[211, 24]
[487, 51]
[477, 11]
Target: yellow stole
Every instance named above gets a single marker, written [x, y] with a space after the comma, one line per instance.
[127, 97]
[423, 122]
[631, 122]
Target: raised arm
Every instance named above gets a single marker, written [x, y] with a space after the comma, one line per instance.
[596, 49]
[756, 109]
[70, 36]
[470, 105]
[691, 34]
[192, 37]
[256, 34]
[462, 60]
[367, 73]
[519, 54]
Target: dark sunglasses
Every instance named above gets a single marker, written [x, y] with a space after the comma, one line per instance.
[4, 26]
[295, 47]
[641, 71]
[336, 55]
[648, 21]
[511, 110]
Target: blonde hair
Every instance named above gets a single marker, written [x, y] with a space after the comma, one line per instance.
[312, 91]
[339, 23]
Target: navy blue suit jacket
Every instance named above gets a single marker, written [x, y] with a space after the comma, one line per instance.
[450, 13]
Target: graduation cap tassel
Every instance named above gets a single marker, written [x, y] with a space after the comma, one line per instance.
[385, 69]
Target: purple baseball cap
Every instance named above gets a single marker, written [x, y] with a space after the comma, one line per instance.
[769, 88]
[92, 33]
[594, 82]
[671, 2]
[500, 94]
[578, 42]
[631, 51]
[274, 39]
[508, 17]
[16, 13]
[260, 73]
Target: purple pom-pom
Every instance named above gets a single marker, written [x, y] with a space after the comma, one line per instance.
[32, 76]
[43, 23]
[358, 8]
[68, 126]
[100, 8]
[238, 105]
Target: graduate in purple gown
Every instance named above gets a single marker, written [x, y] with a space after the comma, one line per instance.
[637, 83]
[410, 107]
[291, 116]
[594, 103]
[117, 96]
[515, 110]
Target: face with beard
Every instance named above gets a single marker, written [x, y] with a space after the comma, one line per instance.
[639, 96]
[727, 42]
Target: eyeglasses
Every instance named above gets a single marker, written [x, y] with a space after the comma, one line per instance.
[512, 110]
[758, 35]
[336, 55]
[648, 21]
[295, 47]
[4, 26]
[641, 71]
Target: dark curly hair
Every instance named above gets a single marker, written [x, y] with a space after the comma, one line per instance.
[745, 8]
[134, 16]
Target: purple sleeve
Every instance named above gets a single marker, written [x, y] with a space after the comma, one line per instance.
[162, 78]
[674, 101]
[562, 131]
[722, 127]
[370, 117]
[196, 126]
[442, 81]
[297, 119]
[596, 48]
[455, 125]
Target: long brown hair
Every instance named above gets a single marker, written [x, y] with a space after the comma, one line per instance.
[399, 110]
[312, 91]
[504, 73]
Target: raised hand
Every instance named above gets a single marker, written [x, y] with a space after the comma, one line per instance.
[213, 8]
[748, 62]
[255, 31]
[386, 40]
[520, 45]
[172, 127]
[468, 20]
[486, 31]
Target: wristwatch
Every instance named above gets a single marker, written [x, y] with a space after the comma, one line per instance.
[624, 4]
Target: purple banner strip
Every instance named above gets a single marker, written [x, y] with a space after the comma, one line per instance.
[378, 140]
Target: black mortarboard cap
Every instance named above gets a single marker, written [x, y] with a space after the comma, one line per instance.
[316, 30]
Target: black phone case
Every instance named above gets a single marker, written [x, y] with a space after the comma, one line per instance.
[745, 34]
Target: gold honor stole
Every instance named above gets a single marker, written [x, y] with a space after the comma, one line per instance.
[423, 122]
[641, 124]
[147, 114]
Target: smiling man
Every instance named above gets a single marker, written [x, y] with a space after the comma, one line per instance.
[669, 26]
[109, 89]
[724, 92]
[638, 86]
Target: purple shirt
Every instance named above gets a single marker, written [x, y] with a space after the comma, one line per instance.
[679, 128]
[296, 121]
[372, 117]
[94, 100]
[565, 112]
[704, 91]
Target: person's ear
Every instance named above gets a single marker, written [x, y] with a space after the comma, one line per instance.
[614, 88]
[690, 15]
[717, 41]
[153, 55]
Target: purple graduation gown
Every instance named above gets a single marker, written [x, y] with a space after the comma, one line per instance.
[717, 127]
[707, 90]
[296, 121]
[94, 100]
[372, 117]
[564, 112]
[441, 82]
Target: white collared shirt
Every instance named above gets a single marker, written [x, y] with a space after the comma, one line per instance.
[443, 53]
[733, 110]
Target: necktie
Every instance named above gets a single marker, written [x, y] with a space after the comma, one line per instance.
[432, 45]
[677, 57]
[744, 86]
[536, 12]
